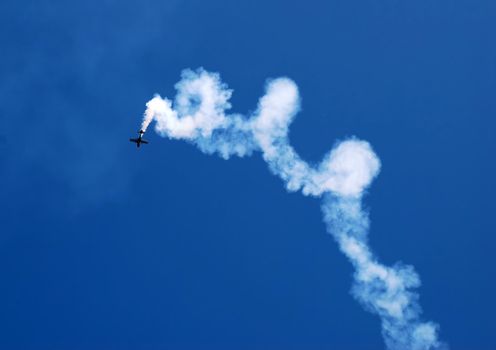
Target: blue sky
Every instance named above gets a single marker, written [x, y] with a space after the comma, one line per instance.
[107, 247]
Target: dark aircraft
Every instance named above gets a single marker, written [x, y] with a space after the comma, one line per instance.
[139, 140]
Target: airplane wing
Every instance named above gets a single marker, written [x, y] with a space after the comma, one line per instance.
[143, 141]
[134, 140]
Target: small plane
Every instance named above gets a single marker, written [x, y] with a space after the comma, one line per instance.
[139, 140]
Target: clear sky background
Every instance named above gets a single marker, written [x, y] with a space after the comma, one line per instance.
[103, 246]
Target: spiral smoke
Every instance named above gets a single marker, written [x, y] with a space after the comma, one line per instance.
[198, 115]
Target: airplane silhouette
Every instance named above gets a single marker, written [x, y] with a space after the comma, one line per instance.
[139, 140]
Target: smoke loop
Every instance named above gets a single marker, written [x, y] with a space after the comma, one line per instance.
[198, 115]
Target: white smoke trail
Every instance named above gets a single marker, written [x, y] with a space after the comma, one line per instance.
[385, 291]
[198, 115]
